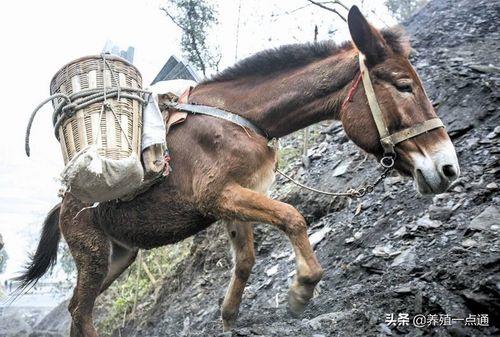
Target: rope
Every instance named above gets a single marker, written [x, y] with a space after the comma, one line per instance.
[350, 193]
[32, 118]
[336, 194]
[67, 110]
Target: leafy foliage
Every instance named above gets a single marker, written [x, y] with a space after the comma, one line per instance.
[291, 148]
[403, 9]
[195, 18]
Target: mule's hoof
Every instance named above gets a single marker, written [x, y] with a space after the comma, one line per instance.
[296, 304]
[227, 326]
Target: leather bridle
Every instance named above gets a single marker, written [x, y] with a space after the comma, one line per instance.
[388, 140]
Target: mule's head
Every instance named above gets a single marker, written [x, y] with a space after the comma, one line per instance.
[429, 157]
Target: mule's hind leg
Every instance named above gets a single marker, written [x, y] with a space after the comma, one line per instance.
[241, 203]
[121, 259]
[241, 238]
[90, 249]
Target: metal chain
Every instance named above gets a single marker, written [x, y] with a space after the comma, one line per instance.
[353, 193]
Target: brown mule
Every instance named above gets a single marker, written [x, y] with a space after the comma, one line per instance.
[222, 172]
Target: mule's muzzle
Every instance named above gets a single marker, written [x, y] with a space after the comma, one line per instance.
[435, 173]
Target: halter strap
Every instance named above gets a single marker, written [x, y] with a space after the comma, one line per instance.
[388, 140]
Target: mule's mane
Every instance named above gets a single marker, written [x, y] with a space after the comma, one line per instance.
[280, 58]
[296, 55]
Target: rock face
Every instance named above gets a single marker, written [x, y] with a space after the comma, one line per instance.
[489, 219]
[391, 253]
[55, 324]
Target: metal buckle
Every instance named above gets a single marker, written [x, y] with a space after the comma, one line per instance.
[387, 161]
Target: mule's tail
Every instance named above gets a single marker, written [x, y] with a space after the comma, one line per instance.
[45, 256]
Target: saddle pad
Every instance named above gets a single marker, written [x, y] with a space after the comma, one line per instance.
[174, 117]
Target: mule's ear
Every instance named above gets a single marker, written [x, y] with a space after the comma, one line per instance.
[365, 37]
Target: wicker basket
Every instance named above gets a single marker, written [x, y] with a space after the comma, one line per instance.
[117, 138]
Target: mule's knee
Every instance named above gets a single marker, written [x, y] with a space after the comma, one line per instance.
[295, 224]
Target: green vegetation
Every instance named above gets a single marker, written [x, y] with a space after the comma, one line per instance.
[287, 156]
[137, 289]
[195, 18]
[292, 147]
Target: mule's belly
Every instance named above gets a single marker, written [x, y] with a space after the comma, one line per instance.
[151, 221]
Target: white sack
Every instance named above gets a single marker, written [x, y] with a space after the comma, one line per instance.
[93, 178]
[153, 126]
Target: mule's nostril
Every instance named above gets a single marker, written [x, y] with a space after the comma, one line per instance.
[449, 171]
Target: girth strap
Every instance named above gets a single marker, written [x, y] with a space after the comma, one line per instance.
[222, 114]
[387, 140]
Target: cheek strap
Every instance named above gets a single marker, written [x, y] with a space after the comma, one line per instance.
[388, 140]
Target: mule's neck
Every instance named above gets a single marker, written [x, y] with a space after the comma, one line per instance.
[283, 102]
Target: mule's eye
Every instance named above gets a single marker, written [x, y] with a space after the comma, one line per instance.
[403, 86]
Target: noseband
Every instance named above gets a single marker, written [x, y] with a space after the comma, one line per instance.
[387, 140]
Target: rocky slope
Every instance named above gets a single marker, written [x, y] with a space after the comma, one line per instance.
[393, 252]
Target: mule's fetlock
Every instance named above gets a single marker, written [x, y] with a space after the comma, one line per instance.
[228, 318]
[311, 278]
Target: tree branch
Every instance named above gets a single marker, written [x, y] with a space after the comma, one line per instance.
[338, 3]
[194, 43]
[193, 17]
[189, 32]
[320, 4]
[184, 28]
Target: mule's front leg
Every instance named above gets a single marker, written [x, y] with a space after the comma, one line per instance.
[241, 238]
[244, 204]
